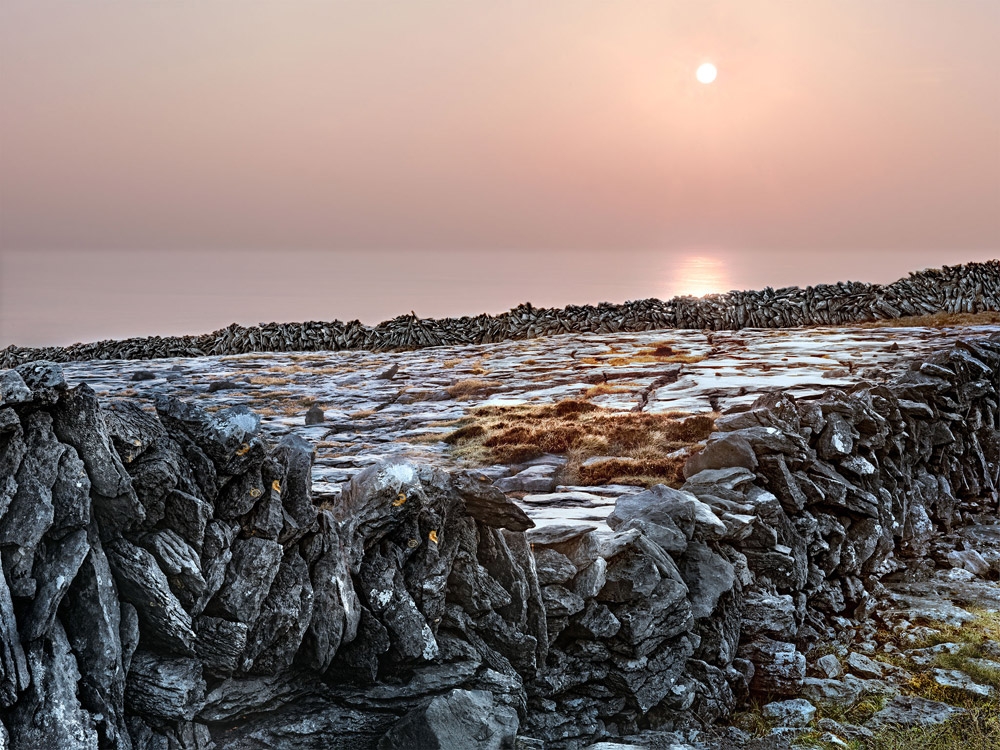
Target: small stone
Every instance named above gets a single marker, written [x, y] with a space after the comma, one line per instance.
[830, 666]
[955, 680]
[315, 415]
[861, 665]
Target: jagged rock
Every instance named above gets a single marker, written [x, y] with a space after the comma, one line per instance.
[14, 674]
[863, 666]
[488, 504]
[251, 571]
[48, 714]
[188, 516]
[296, 455]
[103, 634]
[165, 687]
[220, 644]
[726, 451]
[54, 573]
[595, 621]
[769, 614]
[45, 379]
[461, 718]
[830, 666]
[833, 692]
[78, 421]
[227, 437]
[336, 609]
[670, 508]
[708, 576]
[962, 683]
[779, 668]
[553, 567]
[315, 415]
[540, 478]
[31, 512]
[70, 496]
[284, 617]
[142, 583]
[13, 389]
[180, 563]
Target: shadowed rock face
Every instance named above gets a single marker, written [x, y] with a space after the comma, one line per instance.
[168, 579]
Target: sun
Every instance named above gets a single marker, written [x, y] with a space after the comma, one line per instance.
[706, 73]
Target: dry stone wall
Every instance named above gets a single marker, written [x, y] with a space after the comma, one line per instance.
[969, 288]
[168, 581]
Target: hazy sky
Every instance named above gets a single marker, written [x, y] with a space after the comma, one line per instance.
[842, 138]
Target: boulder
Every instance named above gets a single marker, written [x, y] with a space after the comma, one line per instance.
[458, 719]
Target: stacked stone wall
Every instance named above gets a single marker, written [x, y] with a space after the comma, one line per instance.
[969, 288]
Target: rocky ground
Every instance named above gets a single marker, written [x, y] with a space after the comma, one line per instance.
[930, 651]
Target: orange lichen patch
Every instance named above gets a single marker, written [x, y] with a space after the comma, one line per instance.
[638, 445]
[400, 500]
[433, 536]
[276, 486]
[244, 449]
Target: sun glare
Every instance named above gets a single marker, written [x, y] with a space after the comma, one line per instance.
[706, 73]
[698, 275]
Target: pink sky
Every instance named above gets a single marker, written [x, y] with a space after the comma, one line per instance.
[522, 150]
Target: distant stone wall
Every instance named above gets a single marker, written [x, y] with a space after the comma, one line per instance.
[167, 580]
[970, 288]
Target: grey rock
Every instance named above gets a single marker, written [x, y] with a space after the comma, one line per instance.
[14, 674]
[708, 576]
[220, 644]
[297, 455]
[142, 583]
[254, 565]
[795, 712]
[553, 567]
[103, 633]
[188, 516]
[78, 421]
[864, 666]
[540, 478]
[830, 666]
[336, 609]
[589, 582]
[48, 713]
[779, 668]
[962, 683]
[560, 601]
[70, 496]
[911, 711]
[54, 573]
[596, 621]
[165, 687]
[43, 378]
[488, 504]
[315, 415]
[840, 693]
[769, 614]
[284, 617]
[13, 389]
[180, 563]
[31, 512]
[459, 719]
[723, 452]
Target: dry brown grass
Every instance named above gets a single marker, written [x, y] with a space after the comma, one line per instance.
[935, 320]
[661, 351]
[267, 380]
[637, 443]
[449, 363]
[465, 389]
[361, 413]
[602, 389]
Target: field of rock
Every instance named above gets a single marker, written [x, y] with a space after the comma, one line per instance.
[302, 549]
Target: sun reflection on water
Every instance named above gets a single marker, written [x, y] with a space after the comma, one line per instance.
[698, 275]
